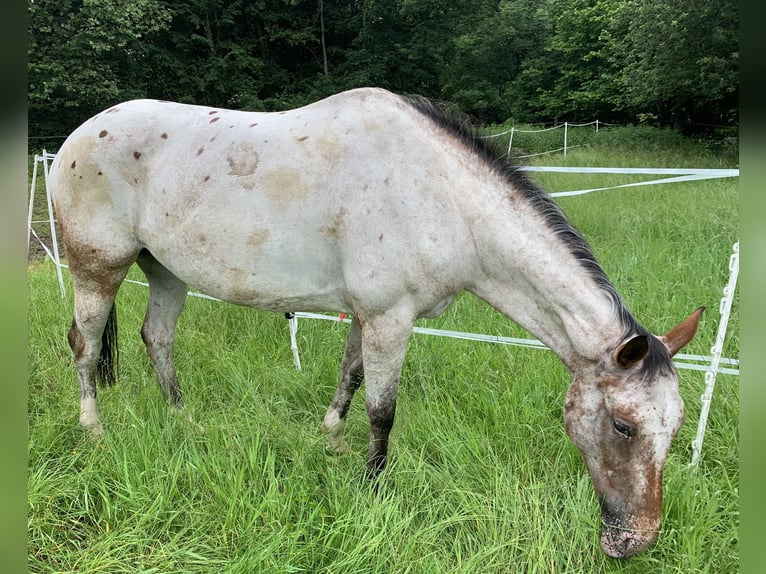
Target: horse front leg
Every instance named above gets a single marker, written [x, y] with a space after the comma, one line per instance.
[351, 377]
[384, 345]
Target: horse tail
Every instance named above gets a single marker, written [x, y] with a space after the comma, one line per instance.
[107, 360]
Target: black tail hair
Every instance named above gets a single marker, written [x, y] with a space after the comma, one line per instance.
[107, 361]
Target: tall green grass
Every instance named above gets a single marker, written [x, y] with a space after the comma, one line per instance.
[483, 478]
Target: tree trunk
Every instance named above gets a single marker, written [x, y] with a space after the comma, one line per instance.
[321, 31]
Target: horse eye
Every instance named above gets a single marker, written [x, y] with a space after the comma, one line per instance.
[624, 429]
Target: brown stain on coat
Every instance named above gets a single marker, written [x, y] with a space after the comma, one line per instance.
[257, 240]
[242, 159]
[285, 185]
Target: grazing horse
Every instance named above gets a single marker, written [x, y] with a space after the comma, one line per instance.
[376, 205]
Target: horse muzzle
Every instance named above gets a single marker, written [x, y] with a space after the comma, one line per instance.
[625, 536]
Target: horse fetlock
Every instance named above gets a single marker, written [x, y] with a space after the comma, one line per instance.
[90, 420]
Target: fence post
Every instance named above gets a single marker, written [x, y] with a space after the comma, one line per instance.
[31, 201]
[510, 144]
[565, 138]
[52, 221]
[716, 350]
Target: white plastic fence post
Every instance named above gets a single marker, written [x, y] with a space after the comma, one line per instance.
[293, 323]
[565, 138]
[510, 144]
[56, 256]
[32, 201]
[716, 350]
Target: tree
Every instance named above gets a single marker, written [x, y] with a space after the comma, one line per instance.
[572, 76]
[533, 60]
[680, 60]
[627, 60]
[212, 53]
[487, 52]
[85, 55]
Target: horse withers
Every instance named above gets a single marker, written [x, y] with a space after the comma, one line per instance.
[376, 205]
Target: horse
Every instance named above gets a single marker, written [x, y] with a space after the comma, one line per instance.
[374, 204]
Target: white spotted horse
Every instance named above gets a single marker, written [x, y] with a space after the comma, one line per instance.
[376, 205]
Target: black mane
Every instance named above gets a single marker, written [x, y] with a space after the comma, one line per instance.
[461, 127]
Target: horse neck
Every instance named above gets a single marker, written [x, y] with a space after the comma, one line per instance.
[531, 276]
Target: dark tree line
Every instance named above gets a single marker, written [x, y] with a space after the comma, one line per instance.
[668, 62]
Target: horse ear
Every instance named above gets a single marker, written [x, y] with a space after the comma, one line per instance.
[682, 333]
[632, 351]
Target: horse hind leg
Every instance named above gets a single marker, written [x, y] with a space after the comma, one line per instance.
[93, 337]
[351, 376]
[167, 295]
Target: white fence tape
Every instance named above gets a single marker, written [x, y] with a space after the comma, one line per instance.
[681, 174]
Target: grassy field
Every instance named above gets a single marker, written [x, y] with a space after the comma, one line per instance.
[483, 478]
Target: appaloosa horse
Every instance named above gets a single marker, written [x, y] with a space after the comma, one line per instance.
[376, 205]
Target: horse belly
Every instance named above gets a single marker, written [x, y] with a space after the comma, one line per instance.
[261, 267]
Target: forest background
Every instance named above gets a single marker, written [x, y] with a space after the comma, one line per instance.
[663, 63]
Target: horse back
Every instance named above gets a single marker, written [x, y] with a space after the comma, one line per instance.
[317, 207]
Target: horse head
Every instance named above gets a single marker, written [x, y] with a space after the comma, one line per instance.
[623, 413]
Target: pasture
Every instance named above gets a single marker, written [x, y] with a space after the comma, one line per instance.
[482, 476]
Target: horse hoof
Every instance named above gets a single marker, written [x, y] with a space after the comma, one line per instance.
[182, 412]
[336, 449]
[95, 432]
[336, 444]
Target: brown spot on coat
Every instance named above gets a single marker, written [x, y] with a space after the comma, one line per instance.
[164, 135]
[137, 154]
[74, 164]
[303, 139]
[215, 119]
[253, 125]
[200, 150]
[76, 341]
[103, 134]
[213, 112]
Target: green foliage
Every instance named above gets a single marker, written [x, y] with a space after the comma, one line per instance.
[677, 59]
[527, 59]
[85, 55]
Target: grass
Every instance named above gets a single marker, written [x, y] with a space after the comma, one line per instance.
[483, 478]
